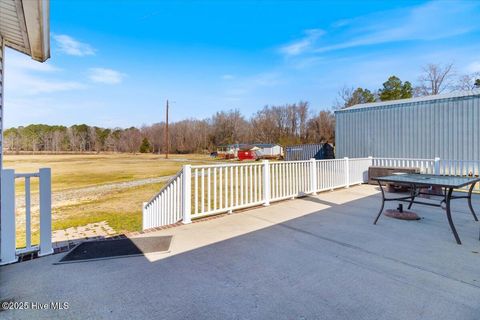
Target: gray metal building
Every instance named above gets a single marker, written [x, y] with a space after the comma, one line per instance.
[309, 151]
[445, 126]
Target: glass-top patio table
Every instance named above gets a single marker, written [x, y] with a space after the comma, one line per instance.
[417, 182]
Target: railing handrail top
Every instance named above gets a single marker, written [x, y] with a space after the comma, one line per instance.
[221, 165]
[292, 161]
[451, 160]
[415, 159]
[27, 175]
[164, 187]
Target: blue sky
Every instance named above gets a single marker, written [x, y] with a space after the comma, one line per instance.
[114, 63]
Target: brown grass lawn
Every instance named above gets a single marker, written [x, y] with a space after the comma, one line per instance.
[76, 171]
[120, 207]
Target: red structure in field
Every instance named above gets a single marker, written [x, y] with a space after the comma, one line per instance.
[246, 154]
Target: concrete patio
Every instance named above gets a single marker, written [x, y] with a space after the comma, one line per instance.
[311, 258]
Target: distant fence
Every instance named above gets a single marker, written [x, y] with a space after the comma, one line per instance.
[199, 191]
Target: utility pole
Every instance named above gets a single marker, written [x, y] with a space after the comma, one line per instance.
[166, 133]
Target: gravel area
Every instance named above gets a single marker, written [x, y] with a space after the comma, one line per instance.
[68, 197]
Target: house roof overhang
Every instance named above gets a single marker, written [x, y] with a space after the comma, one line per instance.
[25, 27]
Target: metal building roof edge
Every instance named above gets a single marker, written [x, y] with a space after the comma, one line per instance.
[397, 103]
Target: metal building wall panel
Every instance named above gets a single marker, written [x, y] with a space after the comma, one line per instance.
[304, 152]
[448, 128]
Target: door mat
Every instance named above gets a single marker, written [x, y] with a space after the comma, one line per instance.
[116, 248]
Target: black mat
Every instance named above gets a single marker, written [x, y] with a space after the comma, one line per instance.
[106, 249]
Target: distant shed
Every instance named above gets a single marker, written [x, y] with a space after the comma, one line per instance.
[268, 149]
[445, 126]
[309, 151]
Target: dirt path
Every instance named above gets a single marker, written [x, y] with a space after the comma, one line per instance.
[73, 196]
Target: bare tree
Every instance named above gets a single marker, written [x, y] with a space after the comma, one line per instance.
[344, 95]
[321, 128]
[155, 135]
[435, 79]
[348, 96]
[228, 127]
[468, 82]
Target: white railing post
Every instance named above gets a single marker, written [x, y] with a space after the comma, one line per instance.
[45, 189]
[7, 212]
[28, 220]
[347, 173]
[313, 175]
[144, 218]
[365, 176]
[187, 193]
[266, 182]
[436, 166]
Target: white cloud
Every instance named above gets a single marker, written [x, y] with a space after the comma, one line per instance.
[473, 67]
[73, 47]
[24, 76]
[430, 21]
[266, 79]
[22, 83]
[107, 76]
[304, 44]
[18, 61]
[247, 85]
[228, 77]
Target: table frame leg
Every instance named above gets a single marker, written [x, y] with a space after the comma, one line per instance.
[413, 194]
[449, 216]
[383, 203]
[469, 198]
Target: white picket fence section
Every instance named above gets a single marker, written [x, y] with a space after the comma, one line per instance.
[459, 168]
[166, 207]
[331, 174]
[426, 165]
[199, 191]
[358, 170]
[225, 187]
[290, 179]
[8, 228]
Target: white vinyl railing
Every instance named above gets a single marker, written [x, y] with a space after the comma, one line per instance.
[225, 187]
[459, 168]
[332, 174]
[358, 170]
[8, 227]
[199, 191]
[166, 206]
[425, 165]
[290, 179]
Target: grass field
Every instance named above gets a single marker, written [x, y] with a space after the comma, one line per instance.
[93, 188]
[76, 171]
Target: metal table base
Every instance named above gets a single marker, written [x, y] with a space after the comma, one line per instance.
[447, 196]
